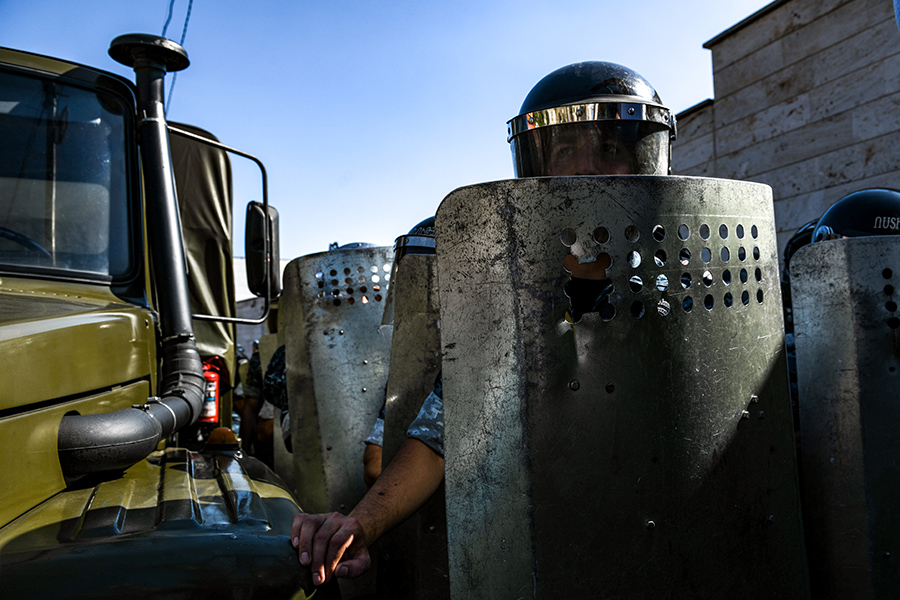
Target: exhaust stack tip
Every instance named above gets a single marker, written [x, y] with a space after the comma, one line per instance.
[128, 49]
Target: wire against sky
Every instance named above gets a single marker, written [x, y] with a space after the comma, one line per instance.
[187, 18]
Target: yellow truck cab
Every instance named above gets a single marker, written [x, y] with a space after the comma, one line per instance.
[104, 494]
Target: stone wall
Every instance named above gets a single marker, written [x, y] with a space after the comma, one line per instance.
[807, 100]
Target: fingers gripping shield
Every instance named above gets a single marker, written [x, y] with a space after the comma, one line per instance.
[647, 440]
[846, 322]
[337, 355]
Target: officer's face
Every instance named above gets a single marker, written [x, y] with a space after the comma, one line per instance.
[583, 151]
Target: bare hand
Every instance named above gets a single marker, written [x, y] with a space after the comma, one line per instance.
[331, 544]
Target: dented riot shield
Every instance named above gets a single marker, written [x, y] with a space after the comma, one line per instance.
[413, 558]
[337, 355]
[645, 450]
[846, 324]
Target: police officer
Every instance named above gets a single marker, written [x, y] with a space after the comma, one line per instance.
[589, 118]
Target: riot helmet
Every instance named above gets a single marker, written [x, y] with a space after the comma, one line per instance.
[873, 211]
[592, 118]
[419, 240]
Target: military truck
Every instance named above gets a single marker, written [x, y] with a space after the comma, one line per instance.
[120, 475]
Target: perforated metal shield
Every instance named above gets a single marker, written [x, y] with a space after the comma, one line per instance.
[413, 560]
[337, 356]
[645, 451]
[846, 324]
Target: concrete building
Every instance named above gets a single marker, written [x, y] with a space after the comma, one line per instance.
[807, 100]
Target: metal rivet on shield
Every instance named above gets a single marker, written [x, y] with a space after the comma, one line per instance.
[754, 398]
[364, 389]
[574, 385]
[365, 362]
[745, 414]
[431, 529]
[630, 111]
[762, 414]
[650, 525]
[341, 332]
[610, 388]
[328, 448]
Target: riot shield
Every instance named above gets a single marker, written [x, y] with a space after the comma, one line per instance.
[413, 557]
[337, 355]
[846, 325]
[646, 449]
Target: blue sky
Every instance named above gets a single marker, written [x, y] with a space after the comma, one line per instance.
[367, 114]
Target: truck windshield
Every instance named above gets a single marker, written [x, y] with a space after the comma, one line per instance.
[63, 178]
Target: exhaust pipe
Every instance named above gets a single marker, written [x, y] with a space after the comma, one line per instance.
[117, 440]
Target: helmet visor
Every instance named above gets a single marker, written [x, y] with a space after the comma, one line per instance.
[592, 148]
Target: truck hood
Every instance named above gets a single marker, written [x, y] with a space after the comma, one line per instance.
[65, 343]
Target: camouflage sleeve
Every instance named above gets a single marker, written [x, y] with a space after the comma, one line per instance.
[428, 426]
[376, 436]
[275, 381]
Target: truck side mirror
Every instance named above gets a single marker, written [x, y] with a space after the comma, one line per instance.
[260, 228]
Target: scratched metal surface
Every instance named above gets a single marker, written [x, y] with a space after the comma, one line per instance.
[337, 355]
[630, 455]
[413, 557]
[846, 323]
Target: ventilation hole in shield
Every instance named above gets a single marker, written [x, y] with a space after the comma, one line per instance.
[659, 233]
[684, 232]
[725, 254]
[706, 255]
[758, 275]
[663, 307]
[754, 232]
[348, 281]
[743, 275]
[334, 282]
[601, 235]
[660, 257]
[637, 309]
[723, 231]
[337, 302]
[387, 277]
[726, 277]
[636, 284]
[889, 290]
[662, 282]
[346, 270]
[755, 253]
[375, 279]
[373, 268]
[377, 297]
[376, 288]
[360, 270]
[361, 279]
[687, 304]
[607, 312]
[704, 231]
[739, 231]
[745, 298]
[891, 306]
[759, 296]
[321, 284]
[887, 273]
[893, 323]
[364, 300]
[728, 300]
[634, 259]
[568, 236]
[742, 254]
[333, 272]
[632, 233]
[709, 302]
[363, 289]
[350, 290]
[350, 301]
[335, 292]
[685, 280]
[684, 257]
[707, 278]
[321, 294]
[386, 268]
